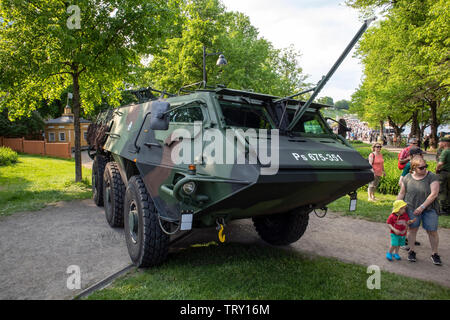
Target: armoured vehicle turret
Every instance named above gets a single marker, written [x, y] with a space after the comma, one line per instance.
[213, 155]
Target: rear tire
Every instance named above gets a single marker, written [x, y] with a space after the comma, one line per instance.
[113, 195]
[147, 244]
[98, 169]
[282, 228]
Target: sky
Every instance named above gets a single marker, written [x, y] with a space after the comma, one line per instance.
[319, 29]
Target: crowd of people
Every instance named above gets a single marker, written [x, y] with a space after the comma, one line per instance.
[423, 196]
[361, 131]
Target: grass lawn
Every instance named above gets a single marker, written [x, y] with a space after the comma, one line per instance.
[237, 271]
[35, 181]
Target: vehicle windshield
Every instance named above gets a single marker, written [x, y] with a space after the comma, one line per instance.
[310, 123]
[244, 115]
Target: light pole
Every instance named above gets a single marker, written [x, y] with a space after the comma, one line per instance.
[220, 62]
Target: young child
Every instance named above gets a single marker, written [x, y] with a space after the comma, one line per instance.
[397, 222]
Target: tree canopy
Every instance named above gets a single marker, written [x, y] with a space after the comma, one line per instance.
[406, 65]
[48, 45]
[253, 62]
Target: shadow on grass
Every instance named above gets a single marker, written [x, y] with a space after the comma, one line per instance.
[25, 200]
[238, 271]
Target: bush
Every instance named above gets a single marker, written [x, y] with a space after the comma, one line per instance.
[7, 156]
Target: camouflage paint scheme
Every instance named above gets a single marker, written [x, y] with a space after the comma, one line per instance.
[230, 191]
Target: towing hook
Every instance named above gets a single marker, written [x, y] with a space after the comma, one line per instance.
[324, 212]
[220, 228]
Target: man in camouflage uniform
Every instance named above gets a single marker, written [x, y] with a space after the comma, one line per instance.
[443, 170]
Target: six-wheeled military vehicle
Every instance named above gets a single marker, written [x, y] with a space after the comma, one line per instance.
[210, 156]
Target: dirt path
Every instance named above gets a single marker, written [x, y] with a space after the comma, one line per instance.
[36, 248]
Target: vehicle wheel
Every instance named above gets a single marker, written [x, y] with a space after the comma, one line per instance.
[98, 168]
[282, 228]
[147, 244]
[113, 195]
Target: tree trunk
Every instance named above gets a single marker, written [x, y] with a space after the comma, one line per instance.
[397, 131]
[381, 131]
[76, 124]
[434, 124]
[414, 126]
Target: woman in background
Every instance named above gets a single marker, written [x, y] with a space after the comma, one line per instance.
[377, 162]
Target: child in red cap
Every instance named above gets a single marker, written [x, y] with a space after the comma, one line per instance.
[397, 222]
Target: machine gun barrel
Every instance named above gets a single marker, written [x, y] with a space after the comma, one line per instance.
[301, 110]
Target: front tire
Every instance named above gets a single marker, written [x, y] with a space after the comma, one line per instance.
[113, 195]
[147, 244]
[282, 228]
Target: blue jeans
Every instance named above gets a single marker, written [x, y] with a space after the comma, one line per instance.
[429, 219]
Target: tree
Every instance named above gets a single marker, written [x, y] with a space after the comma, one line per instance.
[326, 100]
[22, 127]
[406, 62]
[342, 104]
[48, 45]
[253, 62]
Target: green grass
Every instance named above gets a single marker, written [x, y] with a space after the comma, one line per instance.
[237, 271]
[373, 211]
[34, 182]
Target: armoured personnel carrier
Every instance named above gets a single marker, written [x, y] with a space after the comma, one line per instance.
[205, 158]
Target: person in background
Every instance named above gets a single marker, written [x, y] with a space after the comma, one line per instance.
[443, 171]
[426, 142]
[377, 162]
[420, 189]
[413, 151]
[403, 157]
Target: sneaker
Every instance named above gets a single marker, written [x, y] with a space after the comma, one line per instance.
[397, 257]
[404, 248]
[389, 256]
[412, 256]
[436, 259]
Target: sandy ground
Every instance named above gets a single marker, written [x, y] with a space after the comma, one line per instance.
[38, 247]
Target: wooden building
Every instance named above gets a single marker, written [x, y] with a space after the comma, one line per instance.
[62, 129]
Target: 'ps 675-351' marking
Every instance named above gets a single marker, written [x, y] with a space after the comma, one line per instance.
[317, 157]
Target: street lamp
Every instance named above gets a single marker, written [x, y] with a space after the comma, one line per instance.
[220, 62]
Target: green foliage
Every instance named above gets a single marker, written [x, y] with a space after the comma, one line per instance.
[326, 100]
[342, 104]
[23, 126]
[253, 63]
[406, 64]
[7, 156]
[40, 56]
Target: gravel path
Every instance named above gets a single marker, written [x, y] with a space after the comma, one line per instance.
[38, 247]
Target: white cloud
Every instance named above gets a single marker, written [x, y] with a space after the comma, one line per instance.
[319, 29]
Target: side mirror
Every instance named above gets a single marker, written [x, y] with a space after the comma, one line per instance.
[159, 119]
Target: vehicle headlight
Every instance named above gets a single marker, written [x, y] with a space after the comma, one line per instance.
[189, 187]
